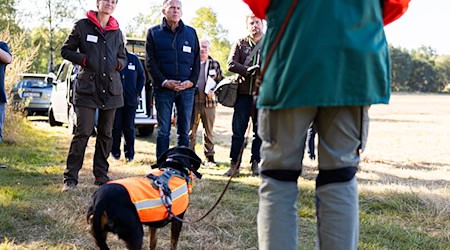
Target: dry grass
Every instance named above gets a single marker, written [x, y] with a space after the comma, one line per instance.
[404, 184]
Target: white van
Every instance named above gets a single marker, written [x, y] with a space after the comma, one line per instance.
[61, 108]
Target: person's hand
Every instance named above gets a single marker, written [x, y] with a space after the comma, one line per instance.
[210, 94]
[183, 85]
[253, 69]
[171, 84]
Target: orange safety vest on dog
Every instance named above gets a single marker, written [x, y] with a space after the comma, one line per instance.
[147, 198]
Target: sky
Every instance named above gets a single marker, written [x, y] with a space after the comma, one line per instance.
[425, 23]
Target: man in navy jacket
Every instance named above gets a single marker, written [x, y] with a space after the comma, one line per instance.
[133, 79]
[173, 61]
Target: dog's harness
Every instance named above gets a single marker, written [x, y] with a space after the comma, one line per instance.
[160, 196]
[161, 183]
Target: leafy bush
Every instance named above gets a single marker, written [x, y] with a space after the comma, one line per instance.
[22, 59]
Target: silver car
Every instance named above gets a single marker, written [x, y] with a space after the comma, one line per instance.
[32, 93]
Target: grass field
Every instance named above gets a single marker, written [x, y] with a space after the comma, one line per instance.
[404, 184]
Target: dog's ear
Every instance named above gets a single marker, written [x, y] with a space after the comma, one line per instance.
[182, 155]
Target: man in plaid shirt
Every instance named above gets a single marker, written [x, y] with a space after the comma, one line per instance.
[205, 102]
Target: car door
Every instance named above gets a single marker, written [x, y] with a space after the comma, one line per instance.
[60, 92]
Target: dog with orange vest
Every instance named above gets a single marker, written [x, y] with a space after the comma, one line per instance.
[124, 206]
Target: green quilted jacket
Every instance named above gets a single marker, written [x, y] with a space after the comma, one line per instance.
[333, 53]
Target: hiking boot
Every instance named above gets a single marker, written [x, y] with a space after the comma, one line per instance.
[255, 168]
[101, 180]
[230, 171]
[210, 160]
[69, 186]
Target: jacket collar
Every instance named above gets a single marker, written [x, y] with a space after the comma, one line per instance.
[164, 25]
[111, 25]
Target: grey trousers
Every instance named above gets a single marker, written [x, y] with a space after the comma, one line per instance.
[342, 135]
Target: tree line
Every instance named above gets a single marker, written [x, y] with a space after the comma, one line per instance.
[416, 70]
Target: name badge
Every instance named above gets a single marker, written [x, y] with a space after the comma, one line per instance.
[187, 49]
[91, 38]
[131, 67]
[212, 72]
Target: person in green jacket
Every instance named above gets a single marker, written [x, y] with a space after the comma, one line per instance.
[331, 64]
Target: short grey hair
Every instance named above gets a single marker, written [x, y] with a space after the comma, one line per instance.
[166, 2]
[205, 39]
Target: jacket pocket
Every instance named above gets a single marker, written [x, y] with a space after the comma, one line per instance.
[115, 85]
[86, 83]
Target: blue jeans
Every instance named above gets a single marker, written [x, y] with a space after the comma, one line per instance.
[124, 123]
[2, 119]
[184, 103]
[243, 110]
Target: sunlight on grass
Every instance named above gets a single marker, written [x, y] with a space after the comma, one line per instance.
[404, 194]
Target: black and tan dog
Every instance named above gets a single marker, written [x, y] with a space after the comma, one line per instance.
[123, 206]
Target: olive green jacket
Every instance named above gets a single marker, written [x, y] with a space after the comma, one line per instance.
[332, 53]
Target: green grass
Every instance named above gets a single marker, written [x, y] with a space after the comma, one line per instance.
[35, 215]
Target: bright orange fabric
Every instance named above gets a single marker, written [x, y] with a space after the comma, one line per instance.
[142, 192]
[393, 10]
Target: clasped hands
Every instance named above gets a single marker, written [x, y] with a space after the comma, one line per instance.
[178, 85]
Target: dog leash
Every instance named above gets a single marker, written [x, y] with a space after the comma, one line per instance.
[236, 167]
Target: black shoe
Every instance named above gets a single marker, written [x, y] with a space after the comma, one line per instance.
[129, 159]
[101, 180]
[210, 160]
[115, 157]
[69, 186]
[255, 168]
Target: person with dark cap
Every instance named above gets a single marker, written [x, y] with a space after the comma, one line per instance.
[96, 44]
[133, 79]
[324, 62]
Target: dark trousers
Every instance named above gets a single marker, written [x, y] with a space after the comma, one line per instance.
[124, 124]
[85, 126]
[243, 110]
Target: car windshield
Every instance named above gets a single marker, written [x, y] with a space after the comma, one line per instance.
[34, 83]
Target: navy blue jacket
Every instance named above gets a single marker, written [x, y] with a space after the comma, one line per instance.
[4, 47]
[172, 55]
[133, 79]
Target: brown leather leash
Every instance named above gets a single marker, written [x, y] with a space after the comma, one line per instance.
[236, 167]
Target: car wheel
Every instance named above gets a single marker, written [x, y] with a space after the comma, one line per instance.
[51, 119]
[72, 126]
[146, 130]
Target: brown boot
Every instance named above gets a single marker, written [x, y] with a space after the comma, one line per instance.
[230, 171]
[255, 168]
